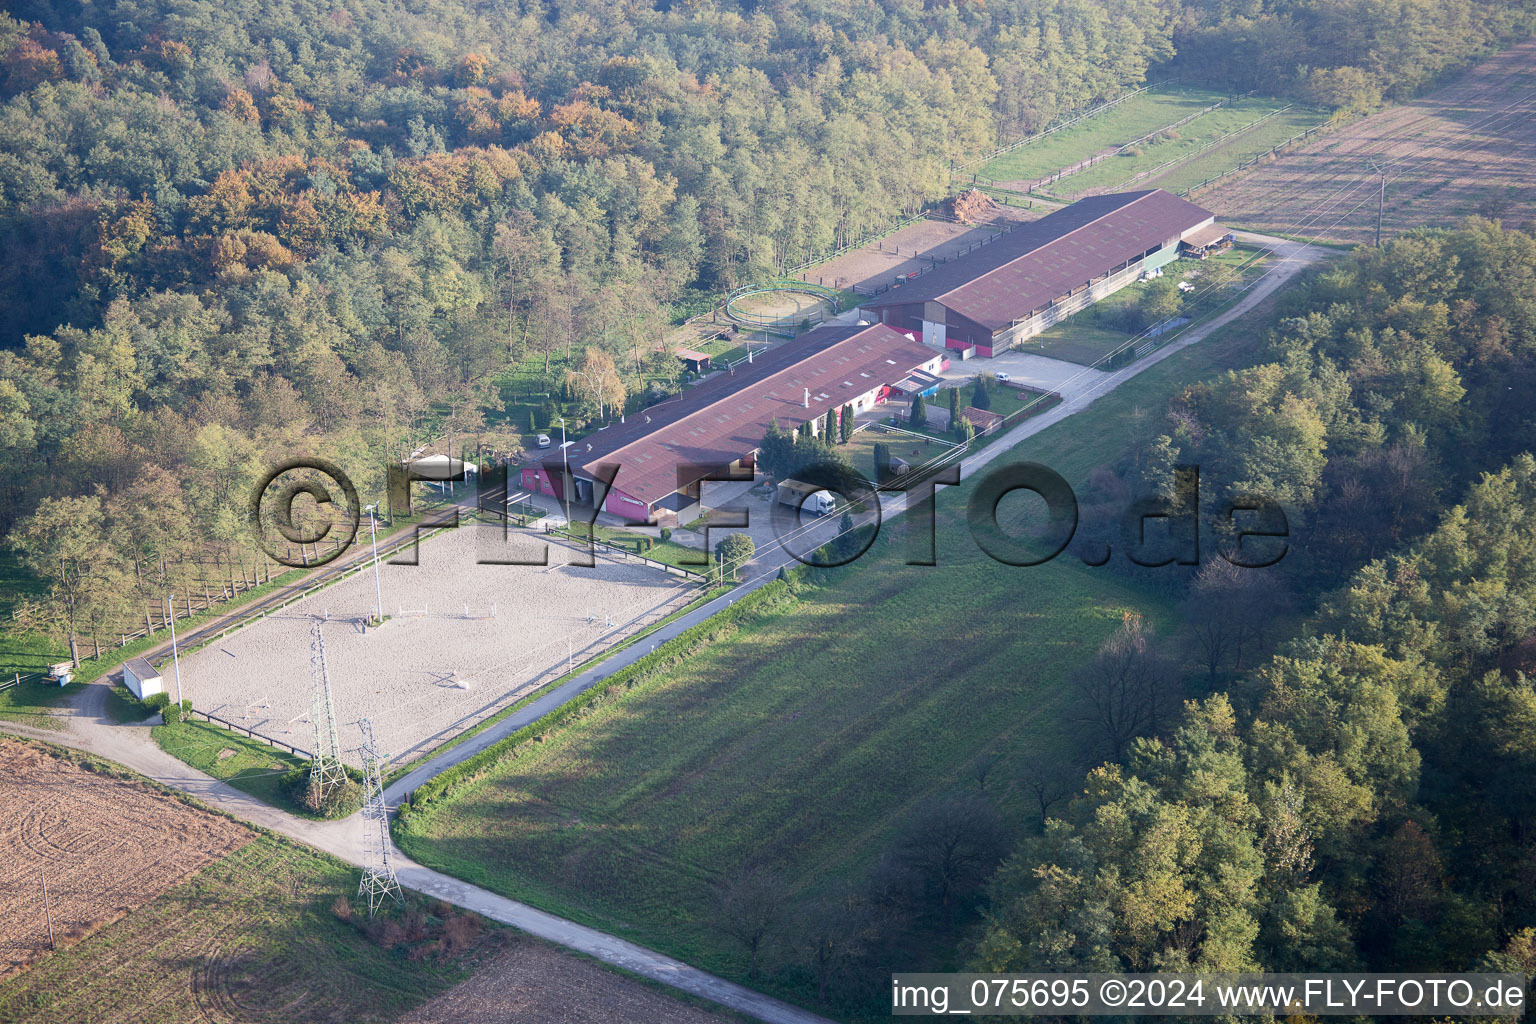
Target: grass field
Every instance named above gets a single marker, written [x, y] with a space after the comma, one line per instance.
[915, 451]
[809, 758]
[249, 765]
[1077, 340]
[251, 937]
[31, 703]
[670, 552]
[1186, 141]
[805, 740]
[1255, 142]
[1132, 119]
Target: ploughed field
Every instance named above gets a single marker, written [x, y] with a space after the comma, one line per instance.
[1468, 148]
[106, 845]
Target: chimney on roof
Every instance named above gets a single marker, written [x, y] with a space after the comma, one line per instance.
[807, 398]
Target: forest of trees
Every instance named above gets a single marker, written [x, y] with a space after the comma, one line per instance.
[1362, 793]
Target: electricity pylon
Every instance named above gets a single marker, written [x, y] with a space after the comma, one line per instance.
[378, 873]
[325, 768]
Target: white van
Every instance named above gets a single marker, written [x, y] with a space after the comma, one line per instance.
[544, 441]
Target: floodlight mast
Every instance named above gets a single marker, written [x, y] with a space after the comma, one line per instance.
[378, 592]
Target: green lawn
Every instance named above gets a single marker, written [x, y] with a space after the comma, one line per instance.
[249, 765]
[1187, 140]
[1008, 400]
[1134, 118]
[1250, 144]
[915, 451]
[670, 552]
[1077, 340]
[30, 703]
[253, 936]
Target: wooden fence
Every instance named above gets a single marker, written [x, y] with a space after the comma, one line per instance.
[253, 734]
[1053, 129]
[19, 678]
[631, 556]
[1244, 165]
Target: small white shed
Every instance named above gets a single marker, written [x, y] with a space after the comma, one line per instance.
[142, 678]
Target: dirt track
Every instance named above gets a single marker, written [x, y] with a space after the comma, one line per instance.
[107, 846]
[1465, 149]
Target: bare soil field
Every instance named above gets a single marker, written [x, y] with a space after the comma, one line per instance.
[442, 661]
[532, 983]
[1468, 148]
[255, 938]
[107, 846]
[913, 248]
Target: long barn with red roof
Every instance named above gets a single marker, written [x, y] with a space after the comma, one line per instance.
[1044, 271]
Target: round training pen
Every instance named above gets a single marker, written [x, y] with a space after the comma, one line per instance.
[782, 307]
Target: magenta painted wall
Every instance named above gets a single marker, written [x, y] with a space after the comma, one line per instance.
[625, 506]
[535, 479]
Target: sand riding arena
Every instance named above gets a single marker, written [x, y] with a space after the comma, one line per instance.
[461, 640]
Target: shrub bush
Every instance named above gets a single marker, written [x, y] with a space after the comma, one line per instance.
[157, 701]
[666, 534]
[339, 802]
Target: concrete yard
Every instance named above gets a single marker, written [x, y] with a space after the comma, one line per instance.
[441, 662]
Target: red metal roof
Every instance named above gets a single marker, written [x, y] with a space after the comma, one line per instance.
[724, 418]
[1007, 280]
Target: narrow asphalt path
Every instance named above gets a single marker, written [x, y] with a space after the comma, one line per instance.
[90, 729]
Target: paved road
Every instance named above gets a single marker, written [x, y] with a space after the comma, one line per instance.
[131, 746]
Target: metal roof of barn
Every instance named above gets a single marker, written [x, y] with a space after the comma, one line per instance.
[722, 419]
[1009, 279]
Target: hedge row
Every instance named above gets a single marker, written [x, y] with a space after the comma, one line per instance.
[655, 665]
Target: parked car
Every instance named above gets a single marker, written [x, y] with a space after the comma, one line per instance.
[544, 441]
[1003, 377]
